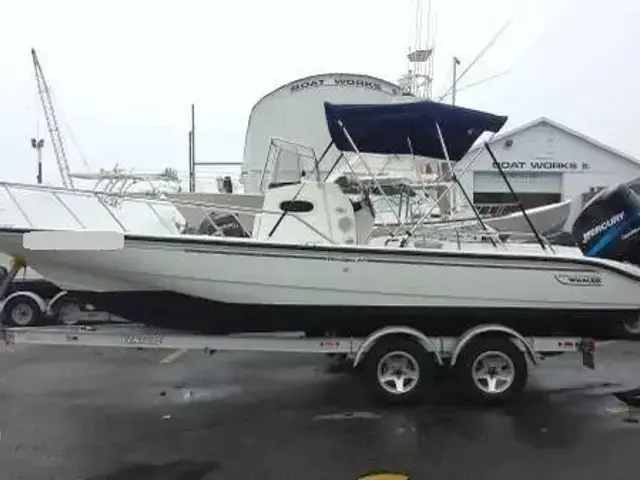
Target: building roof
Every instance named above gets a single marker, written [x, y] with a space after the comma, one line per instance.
[563, 128]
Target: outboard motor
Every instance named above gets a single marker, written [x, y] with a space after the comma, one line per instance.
[227, 225]
[609, 225]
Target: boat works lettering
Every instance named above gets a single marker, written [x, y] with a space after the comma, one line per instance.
[598, 229]
[580, 279]
[342, 82]
[542, 165]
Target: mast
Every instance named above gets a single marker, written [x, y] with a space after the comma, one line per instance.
[52, 124]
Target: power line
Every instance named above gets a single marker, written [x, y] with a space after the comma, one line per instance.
[477, 58]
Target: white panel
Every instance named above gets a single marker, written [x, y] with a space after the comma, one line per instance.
[42, 207]
[522, 182]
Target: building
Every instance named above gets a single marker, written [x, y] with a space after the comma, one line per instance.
[546, 162]
[295, 113]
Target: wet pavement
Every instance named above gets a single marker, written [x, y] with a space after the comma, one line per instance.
[134, 415]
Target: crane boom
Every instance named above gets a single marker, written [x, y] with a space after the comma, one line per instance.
[52, 123]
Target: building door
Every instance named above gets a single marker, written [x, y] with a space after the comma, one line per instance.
[534, 189]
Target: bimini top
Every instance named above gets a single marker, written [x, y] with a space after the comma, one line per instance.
[386, 128]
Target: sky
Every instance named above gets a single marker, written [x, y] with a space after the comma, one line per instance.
[124, 73]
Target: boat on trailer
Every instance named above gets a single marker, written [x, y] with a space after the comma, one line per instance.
[308, 267]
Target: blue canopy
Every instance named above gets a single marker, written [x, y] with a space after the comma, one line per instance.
[385, 128]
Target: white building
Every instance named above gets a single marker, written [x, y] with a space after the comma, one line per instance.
[295, 113]
[546, 162]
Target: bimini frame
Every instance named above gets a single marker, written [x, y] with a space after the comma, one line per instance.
[424, 128]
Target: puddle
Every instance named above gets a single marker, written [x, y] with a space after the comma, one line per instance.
[187, 395]
[348, 416]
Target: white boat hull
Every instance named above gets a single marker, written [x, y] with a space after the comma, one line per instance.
[240, 273]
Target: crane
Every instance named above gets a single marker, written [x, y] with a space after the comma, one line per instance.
[52, 123]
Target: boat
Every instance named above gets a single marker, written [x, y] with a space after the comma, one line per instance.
[307, 265]
[410, 199]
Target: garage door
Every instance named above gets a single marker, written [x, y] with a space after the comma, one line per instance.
[522, 182]
[534, 189]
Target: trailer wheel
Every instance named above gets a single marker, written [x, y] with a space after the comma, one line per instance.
[22, 311]
[398, 370]
[67, 311]
[492, 370]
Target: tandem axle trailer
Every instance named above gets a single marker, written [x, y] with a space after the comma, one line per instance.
[398, 364]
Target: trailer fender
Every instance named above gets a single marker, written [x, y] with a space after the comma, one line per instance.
[53, 301]
[474, 332]
[24, 293]
[425, 341]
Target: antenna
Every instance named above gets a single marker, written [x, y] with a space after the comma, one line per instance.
[418, 79]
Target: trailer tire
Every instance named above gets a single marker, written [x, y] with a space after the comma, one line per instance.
[64, 308]
[22, 311]
[492, 370]
[398, 370]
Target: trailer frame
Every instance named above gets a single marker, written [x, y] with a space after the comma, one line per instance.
[429, 353]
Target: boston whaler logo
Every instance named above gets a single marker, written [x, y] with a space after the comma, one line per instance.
[579, 279]
[598, 229]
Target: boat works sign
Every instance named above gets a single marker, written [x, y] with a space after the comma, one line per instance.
[543, 166]
[345, 82]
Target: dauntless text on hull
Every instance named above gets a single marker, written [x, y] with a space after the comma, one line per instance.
[308, 267]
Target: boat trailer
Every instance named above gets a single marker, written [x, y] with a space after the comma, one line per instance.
[397, 363]
[32, 305]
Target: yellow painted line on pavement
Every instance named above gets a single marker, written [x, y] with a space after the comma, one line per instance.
[618, 409]
[172, 357]
[384, 476]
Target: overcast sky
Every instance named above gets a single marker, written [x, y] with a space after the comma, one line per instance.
[125, 72]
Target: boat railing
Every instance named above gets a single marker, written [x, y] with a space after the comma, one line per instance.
[56, 208]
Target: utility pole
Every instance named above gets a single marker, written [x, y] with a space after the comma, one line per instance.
[228, 187]
[192, 152]
[37, 144]
[456, 62]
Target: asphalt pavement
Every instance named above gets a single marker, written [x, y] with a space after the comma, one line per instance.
[78, 413]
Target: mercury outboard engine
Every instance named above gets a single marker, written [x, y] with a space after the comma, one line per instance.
[609, 225]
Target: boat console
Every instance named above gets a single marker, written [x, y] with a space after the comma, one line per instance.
[609, 225]
[314, 212]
